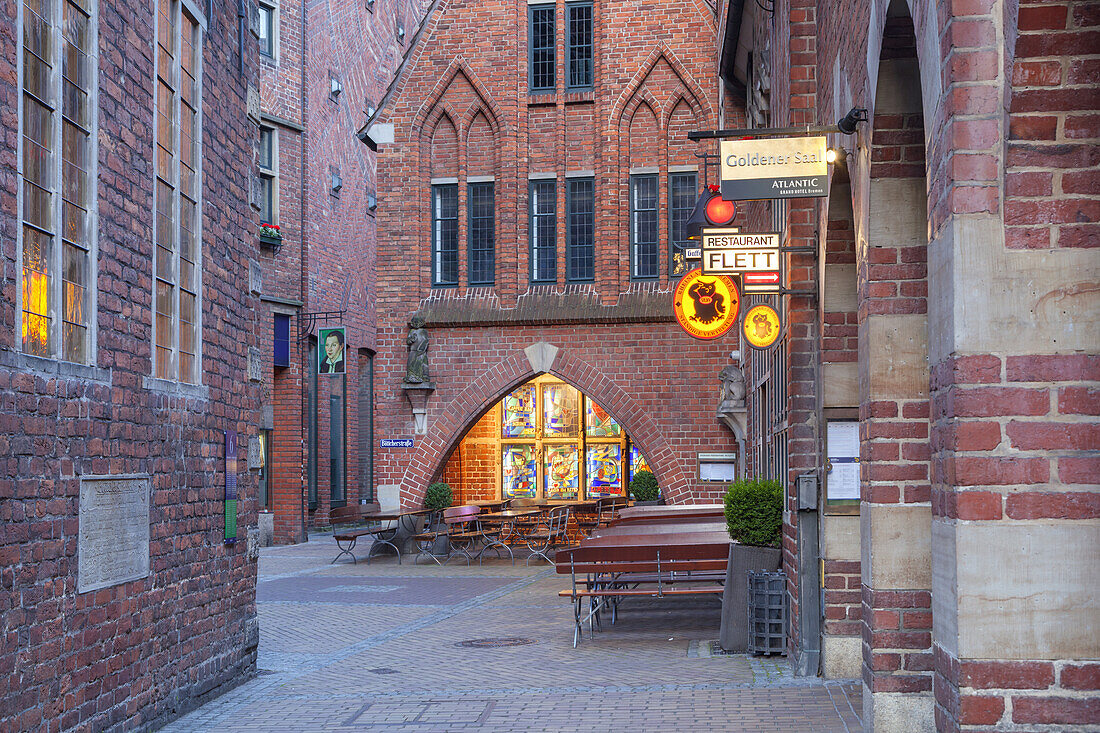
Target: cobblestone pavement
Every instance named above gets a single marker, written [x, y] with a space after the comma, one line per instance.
[379, 647]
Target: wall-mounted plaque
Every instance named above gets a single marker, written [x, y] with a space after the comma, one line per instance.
[113, 535]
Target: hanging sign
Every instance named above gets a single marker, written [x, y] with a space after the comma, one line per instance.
[775, 168]
[727, 252]
[330, 355]
[706, 307]
[762, 326]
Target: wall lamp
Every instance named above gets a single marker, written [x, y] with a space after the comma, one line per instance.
[848, 124]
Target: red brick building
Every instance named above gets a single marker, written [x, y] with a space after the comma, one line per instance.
[941, 339]
[126, 328]
[950, 346]
[534, 178]
[322, 69]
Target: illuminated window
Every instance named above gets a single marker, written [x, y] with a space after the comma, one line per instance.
[178, 234]
[57, 168]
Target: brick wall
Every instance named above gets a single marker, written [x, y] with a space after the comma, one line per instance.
[133, 655]
[650, 88]
[326, 261]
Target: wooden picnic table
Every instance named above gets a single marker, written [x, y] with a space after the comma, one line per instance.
[659, 528]
[675, 513]
[642, 561]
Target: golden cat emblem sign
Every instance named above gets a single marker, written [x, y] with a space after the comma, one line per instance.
[706, 306]
[762, 326]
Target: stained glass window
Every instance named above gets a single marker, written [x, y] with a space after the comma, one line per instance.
[637, 461]
[519, 413]
[597, 423]
[518, 471]
[604, 470]
[559, 411]
[562, 472]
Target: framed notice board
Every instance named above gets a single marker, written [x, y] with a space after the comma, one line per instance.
[842, 464]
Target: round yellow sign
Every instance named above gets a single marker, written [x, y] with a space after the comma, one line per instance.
[706, 307]
[762, 326]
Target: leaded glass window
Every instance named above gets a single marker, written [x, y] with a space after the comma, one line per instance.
[57, 169]
[445, 234]
[645, 247]
[580, 205]
[544, 231]
[579, 25]
[555, 444]
[482, 233]
[542, 43]
[178, 234]
[682, 193]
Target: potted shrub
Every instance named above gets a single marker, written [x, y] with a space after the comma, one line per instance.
[270, 235]
[645, 489]
[754, 519]
[438, 497]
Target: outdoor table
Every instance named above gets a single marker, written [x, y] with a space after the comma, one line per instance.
[507, 519]
[389, 536]
[659, 528]
[676, 513]
[487, 505]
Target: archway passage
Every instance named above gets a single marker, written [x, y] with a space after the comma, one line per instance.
[546, 440]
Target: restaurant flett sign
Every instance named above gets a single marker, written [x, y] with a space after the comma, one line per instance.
[775, 168]
[752, 256]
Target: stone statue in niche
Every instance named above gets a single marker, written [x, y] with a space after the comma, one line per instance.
[732, 393]
[416, 370]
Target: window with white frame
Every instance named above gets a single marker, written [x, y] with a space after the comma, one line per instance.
[57, 168]
[269, 29]
[178, 232]
[268, 162]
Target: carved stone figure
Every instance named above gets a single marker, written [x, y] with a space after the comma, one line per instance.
[733, 386]
[416, 370]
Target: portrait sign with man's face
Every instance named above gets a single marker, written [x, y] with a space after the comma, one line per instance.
[330, 355]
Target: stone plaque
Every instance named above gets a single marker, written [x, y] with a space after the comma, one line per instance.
[255, 364]
[113, 544]
[252, 102]
[255, 452]
[255, 277]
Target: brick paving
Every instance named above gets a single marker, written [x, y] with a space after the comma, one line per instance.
[378, 648]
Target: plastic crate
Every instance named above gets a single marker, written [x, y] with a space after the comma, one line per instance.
[767, 613]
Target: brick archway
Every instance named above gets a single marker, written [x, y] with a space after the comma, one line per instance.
[450, 424]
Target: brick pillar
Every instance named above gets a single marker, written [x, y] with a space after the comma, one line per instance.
[801, 318]
[288, 470]
[895, 514]
[1016, 380]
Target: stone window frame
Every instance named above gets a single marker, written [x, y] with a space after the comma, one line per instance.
[548, 219]
[438, 186]
[182, 10]
[55, 275]
[571, 231]
[636, 178]
[271, 8]
[269, 175]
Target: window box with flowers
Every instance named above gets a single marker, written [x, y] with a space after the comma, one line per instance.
[270, 235]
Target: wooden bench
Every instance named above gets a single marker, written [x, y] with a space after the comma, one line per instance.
[353, 515]
[606, 575]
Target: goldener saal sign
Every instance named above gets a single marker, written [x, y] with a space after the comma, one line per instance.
[777, 168]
